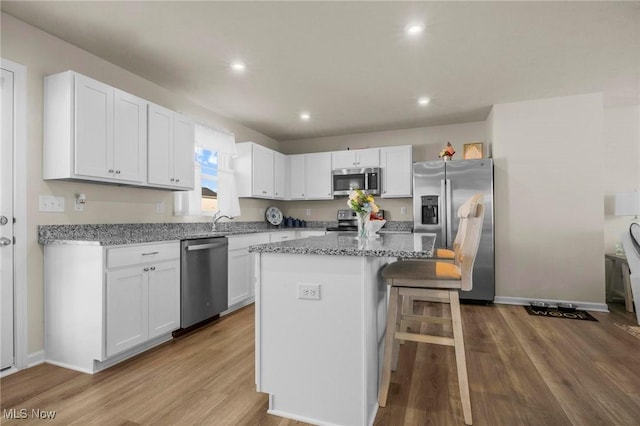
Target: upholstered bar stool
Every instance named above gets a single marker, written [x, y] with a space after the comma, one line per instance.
[444, 254]
[434, 281]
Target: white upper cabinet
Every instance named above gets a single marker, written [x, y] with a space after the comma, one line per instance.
[171, 149]
[280, 172]
[129, 137]
[93, 131]
[396, 171]
[297, 177]
[254, 169]
[356, 158]
[318, 176]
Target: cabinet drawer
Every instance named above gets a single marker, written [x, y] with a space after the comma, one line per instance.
[244, 241]
[148, 253]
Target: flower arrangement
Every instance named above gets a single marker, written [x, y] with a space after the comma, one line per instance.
[448, 151]
[361, 202]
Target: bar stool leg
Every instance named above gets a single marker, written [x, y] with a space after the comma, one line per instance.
[396, 342]
[385, 379]
[461, 361]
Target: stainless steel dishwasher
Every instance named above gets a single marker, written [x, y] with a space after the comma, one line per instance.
[203, 279]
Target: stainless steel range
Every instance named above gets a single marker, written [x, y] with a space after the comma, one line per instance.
[348, 222]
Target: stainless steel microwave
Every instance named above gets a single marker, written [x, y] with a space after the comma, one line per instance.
[367, 179]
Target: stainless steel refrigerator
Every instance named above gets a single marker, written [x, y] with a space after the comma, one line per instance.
[439, 189]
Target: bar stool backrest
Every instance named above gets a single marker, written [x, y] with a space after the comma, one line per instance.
[471, 241]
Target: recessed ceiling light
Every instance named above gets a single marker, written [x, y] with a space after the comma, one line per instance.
[423, 101]
[238, 66]
[414, 29]
[305, 116]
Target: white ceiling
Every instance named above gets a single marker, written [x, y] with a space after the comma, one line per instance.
[350, 64]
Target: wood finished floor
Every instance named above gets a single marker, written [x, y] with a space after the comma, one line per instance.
[523, 370]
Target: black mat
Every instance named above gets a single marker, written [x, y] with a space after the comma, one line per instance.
[555, 313]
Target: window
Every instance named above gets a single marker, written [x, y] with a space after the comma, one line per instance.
[207, 159]
[214, 178]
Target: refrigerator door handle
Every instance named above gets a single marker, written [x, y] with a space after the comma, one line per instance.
[442, 212]
[449, 213]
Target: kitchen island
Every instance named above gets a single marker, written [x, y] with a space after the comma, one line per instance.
[321, 308]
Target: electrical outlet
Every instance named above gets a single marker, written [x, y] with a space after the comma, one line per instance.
[51, 203]
[308, 212]
[309, 291]
[79, 207]
[403, 210]
[160, 207]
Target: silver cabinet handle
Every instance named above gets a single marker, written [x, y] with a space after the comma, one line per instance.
[177, 180]
[173, 180]
[110, 170]
[153, 268]
[4, 242]
[151, 253]
[146, 269]
[117, 172]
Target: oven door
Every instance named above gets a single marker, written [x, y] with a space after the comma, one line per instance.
[345, 179]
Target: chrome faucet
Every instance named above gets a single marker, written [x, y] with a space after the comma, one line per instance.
[216, 217]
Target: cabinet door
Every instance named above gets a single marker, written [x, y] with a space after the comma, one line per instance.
[297, 176]
[184, 161]
[318, 176]
[93, 127]
[396, 171]
[129, 137]
[279, 176]
[262, 165]
[126, 309]
[164, 298]
[368, 157]
[343, 159]
[239, 285]
[160, 147]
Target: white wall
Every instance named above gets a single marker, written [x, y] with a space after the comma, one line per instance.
[44, 54]
[549, 194]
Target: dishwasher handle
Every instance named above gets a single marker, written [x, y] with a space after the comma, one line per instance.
[206, 246]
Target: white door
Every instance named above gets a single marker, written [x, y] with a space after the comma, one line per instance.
[160, 148]
[127, 314]
[183, 151]
[318, 176]
[129, 137]
[6, 220]
[164, 298]
[93, 127]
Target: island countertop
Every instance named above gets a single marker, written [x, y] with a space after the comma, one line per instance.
[416, 246]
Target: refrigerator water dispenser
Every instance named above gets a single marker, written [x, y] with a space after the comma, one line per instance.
[430, 210]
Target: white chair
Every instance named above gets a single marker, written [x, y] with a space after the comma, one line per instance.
[631, 244]
[434, 281]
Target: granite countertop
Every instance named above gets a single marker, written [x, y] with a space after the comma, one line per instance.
[135, 233]
[416, 246]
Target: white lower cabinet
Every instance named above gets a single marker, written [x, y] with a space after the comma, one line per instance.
[240, 267]
[240, 286]
[106, 304]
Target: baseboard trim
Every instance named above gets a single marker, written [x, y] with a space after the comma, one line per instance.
[238, 305]
[35, 358]
[587, 306]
